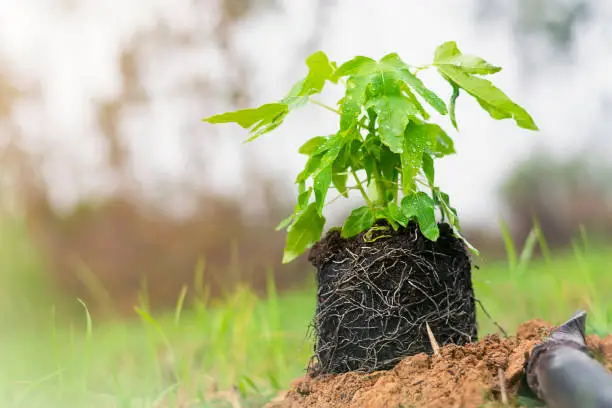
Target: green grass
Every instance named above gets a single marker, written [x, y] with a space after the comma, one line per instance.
[243, 348]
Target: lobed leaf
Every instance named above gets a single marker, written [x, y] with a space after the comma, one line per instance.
[320, 69]
[482, 89]
[384, 131]
[392, 62]
[460, 70]
[306, 230]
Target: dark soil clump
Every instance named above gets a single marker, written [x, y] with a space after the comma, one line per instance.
[377, 291]
[461, 377]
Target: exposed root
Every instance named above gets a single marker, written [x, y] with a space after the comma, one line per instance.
[433, 341]
[499, 327]
[377, 297]
[502, 386]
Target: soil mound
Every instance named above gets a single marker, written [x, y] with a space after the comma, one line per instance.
[460, 377]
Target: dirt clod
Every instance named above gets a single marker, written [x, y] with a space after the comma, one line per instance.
[462, 376]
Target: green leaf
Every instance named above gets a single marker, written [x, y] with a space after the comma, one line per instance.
[397, 215]
[429, 96]
[449, 54]
[351, 104]
[492, 96]
[442, 200]
[389, 164]
[320, 69]
[422, 206]
[332, 148]
[444, 143]
[306, 230]
[459, 70]
[321, 185]
[453, 104]
[339, 182]
[312, 145]
[312, 165]
[394, 113]
[357, 66]
[392, 62]
[356, 154]
[367, 78]
[417, 139]
[385, 214]
[259, 120]
[428, 168]
[341, 165]
[410, 95]
[373, 145]
[322, 157]
[295, 99]
[303, 198]
[369, 165]
[358, 221]
[285, 223]
[493, 111]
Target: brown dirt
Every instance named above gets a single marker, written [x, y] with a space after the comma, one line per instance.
[460, 377]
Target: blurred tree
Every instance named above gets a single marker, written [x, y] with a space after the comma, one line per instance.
[542, 29]
[103, 249]
[562, 194]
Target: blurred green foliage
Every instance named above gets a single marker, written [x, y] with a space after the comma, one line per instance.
[564, 195]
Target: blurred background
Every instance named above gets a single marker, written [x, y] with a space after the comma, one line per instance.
[113, 191]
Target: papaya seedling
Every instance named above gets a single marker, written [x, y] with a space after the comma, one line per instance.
[392, 268]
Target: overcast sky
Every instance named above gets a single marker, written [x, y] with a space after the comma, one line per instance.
[70, 52]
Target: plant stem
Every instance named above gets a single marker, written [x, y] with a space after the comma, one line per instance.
[381, 189]
[321, 104]
[360, 187]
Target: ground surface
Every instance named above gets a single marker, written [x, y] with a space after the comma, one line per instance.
[243, 350]
[461, 377]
